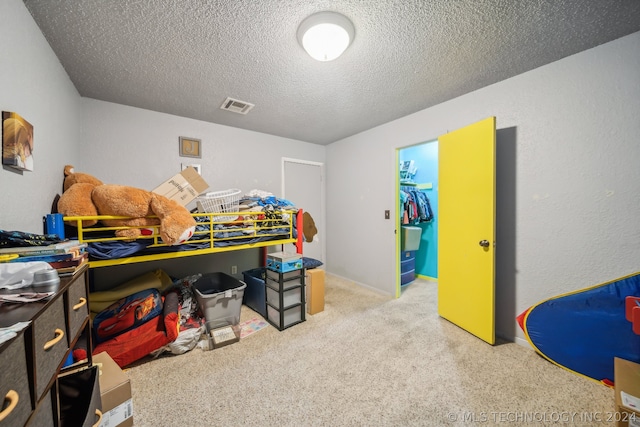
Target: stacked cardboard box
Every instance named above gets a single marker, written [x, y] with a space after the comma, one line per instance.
[183, 187]
[115, 391]
[315, 290]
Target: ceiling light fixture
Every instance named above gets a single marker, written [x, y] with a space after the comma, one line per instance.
[325, 35]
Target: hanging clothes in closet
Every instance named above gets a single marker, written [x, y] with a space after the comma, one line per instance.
[416, 206]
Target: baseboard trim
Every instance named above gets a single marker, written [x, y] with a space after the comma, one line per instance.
[371, 288]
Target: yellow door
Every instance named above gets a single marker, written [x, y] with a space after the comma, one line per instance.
[466, 228]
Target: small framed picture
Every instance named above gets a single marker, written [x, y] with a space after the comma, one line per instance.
[190, 147]
[17, 142]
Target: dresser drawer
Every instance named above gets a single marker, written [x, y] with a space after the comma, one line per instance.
[77, 307]
[79, 396]
[14, 387]
[43, 416]
[50, 344]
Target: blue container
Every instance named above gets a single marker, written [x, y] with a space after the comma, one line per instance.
[69, 360]
[254, 294]
[55, 225]
[407, 267]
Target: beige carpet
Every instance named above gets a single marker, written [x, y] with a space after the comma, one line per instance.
[367, 360]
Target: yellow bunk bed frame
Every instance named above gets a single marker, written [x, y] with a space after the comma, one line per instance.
[251, 223]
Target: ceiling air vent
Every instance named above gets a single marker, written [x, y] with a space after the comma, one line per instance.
[236, 106]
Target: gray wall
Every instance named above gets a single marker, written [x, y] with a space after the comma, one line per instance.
[132, 146]
[34, 85]
[568, 180]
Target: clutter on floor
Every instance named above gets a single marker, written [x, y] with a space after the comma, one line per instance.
[251, 326]
[152, 313]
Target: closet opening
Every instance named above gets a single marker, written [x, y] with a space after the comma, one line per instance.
[417, 228]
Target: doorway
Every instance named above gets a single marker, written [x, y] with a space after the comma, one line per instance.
[420, 180]
[465, 226]
[303, 185]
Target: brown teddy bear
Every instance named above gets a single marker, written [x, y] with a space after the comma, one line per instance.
[86, 195]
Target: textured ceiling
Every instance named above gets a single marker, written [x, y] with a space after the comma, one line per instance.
[185, 57]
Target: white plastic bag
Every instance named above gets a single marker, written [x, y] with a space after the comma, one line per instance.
[15, 275]
[185, 341]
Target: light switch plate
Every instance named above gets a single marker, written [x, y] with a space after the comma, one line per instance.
[197, 167]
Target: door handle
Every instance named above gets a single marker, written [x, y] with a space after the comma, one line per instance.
[484, 243]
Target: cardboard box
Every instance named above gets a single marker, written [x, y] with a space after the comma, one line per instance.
[284, 262]
[115, 391]
[183, 187]
[627, 390]
[221, 332]
[315, 290]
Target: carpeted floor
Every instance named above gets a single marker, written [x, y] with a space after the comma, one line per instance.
[367, 360]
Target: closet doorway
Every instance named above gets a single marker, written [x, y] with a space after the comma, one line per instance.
[303, 185]
[465, 219]
[418, 222]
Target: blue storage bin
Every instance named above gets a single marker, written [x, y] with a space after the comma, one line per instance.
[407, 262]
[254, 294]
[407, 267]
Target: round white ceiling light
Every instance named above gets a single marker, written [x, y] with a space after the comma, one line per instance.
[325, 35]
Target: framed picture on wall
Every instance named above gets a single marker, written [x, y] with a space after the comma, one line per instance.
[190, 147]
[17, 142]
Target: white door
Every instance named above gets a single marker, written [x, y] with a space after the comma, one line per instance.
[302, 184]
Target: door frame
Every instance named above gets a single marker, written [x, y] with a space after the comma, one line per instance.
[490, 340]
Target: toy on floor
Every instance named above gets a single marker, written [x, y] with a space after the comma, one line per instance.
[127, 313]
[632, 313]
[86, 195]
[583, 331]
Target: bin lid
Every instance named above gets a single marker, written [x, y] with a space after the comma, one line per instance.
[285, 256]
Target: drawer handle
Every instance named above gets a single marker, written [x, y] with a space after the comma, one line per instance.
[82, 302]
[12, 397]
[99, 415]
[59, 334]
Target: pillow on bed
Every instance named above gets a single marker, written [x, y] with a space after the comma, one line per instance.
[310, 262]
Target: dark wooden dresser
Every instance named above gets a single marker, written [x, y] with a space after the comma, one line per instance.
[32, 362]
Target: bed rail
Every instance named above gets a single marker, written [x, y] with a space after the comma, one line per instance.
[249, 224]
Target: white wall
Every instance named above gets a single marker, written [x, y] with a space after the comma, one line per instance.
[568, 180]
[34, 85]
